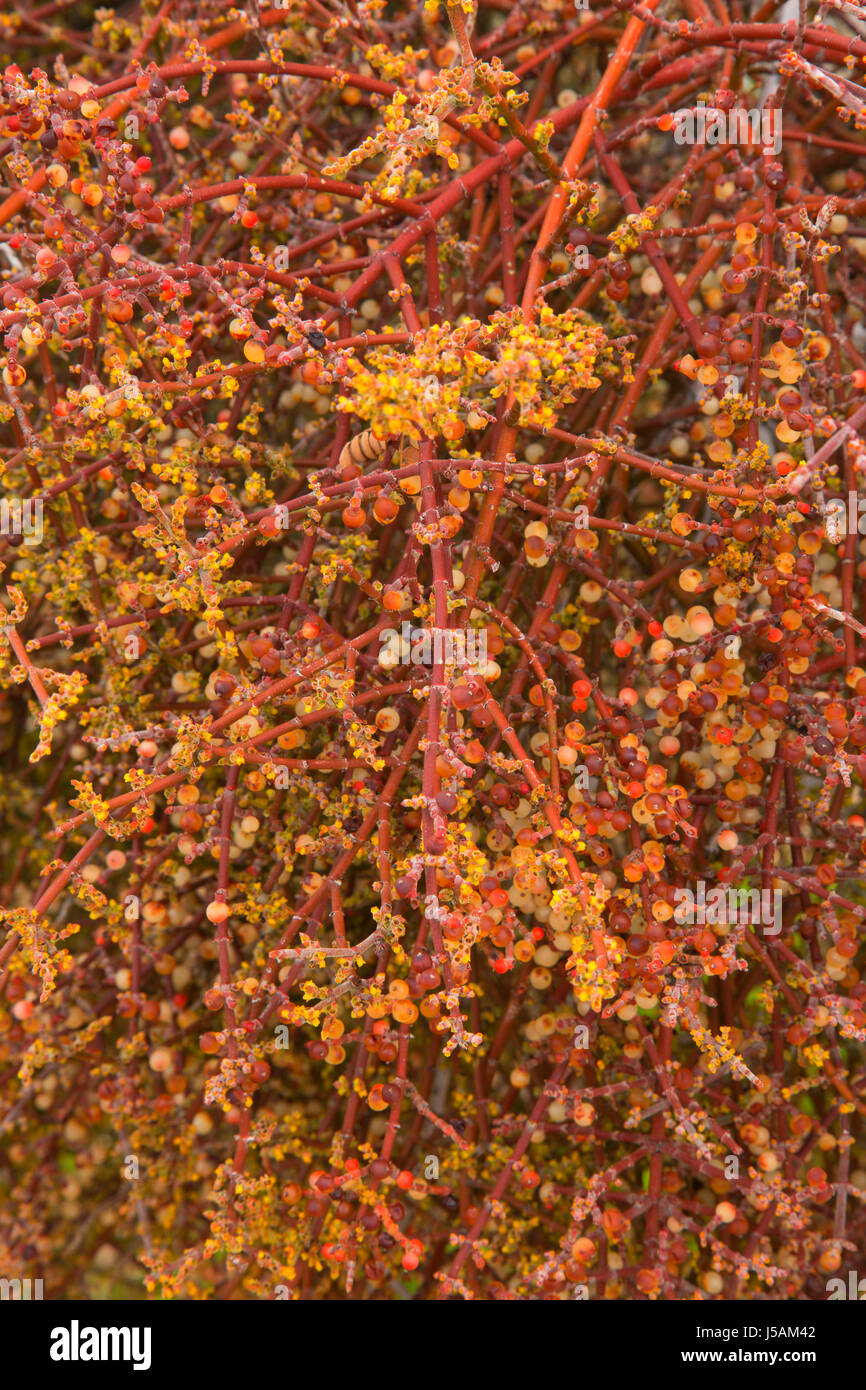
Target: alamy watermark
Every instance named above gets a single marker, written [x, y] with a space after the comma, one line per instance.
[76, 1343]
[845, 516]
[855, 1290]
[707, 125]
[20, 1289]
[730, 907]
[22, 518]
[424, 646]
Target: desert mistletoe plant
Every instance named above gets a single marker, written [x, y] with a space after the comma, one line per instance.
[332, 973]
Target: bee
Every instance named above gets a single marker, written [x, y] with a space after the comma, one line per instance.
[366, 448]
[363, 448]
